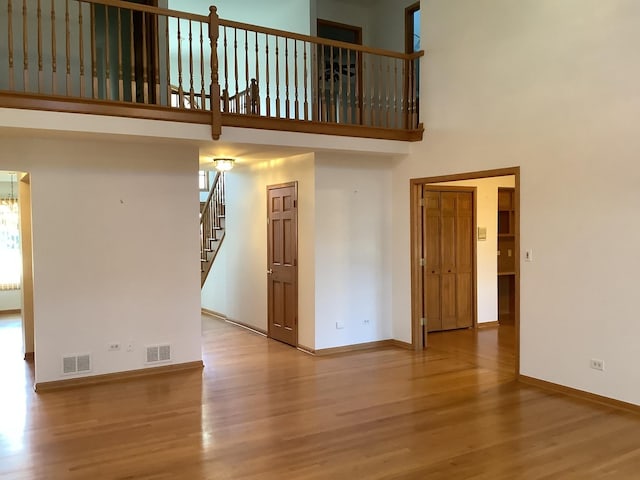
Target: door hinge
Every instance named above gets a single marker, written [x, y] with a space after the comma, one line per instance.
[422, 202]
[295, 204]
[422, 262]
[423, 322]
[268, 220]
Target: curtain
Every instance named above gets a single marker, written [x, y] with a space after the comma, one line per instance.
[10, 256]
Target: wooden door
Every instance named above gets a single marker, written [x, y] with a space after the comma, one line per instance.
[282, 257]
[449, 254]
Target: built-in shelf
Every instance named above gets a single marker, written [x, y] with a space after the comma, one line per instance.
[506, 256]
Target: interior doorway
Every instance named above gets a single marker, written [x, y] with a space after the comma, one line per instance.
[16, 282]
[282, 258]
[495, 248]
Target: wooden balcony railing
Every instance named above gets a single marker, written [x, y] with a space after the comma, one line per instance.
[113, 57]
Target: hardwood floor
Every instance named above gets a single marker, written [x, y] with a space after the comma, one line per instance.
[263, 410]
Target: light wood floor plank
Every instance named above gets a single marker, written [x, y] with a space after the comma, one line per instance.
[263, 410]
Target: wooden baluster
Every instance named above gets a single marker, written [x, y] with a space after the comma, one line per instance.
[332, 105]
[226, 72]
[81, 50]
[68, 46]
[372, 79]
[54, 67]
[323, 85]
[40, 70]
[268, 99]
[180, 90]
[296, 103]
[192, 97]
[216, 117]
[394, 96]
[314, 82]
[203, 94]
[168, 61]
[286, 78]
[10, 43]
[349, 118]
[132, 54]
[405, 94]
[257, 83]
[277, 78]
[94, 67]
[380, 93]
[145, 60]
[364, 100]
[357, 83]
[156, 58]
[306, 80]
[25, 47]
[120, 68]
[246, 68]
[414, 93]
[387, 105]
[339, 105]
[107, 54]
[235, 69]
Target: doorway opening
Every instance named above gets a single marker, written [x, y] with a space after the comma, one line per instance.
[439, 292]
[340, 74]
[16, 281]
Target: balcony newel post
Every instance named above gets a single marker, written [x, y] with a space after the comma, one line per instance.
[216, 117]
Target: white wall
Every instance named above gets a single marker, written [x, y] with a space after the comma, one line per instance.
[10, 300]
[245, 244]
[214, 290]
[550, 86]
[353, 249]
[115, 249]
[487, 260]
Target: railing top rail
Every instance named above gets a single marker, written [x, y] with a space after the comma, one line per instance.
[318, 40]
[145, 8]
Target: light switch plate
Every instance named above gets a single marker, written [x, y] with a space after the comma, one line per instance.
[528, 256]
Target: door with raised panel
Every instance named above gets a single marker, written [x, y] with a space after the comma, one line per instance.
[448, 250]
[282, 258]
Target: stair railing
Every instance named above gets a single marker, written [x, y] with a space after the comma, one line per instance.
[212, 227]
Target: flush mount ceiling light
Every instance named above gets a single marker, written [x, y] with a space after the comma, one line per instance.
[223, 164]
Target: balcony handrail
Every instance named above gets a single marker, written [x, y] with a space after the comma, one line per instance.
[318, 40]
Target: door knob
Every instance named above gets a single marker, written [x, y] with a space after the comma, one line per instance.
[270, 271]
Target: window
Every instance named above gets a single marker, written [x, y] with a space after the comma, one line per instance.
[10, 257]
[203, 180]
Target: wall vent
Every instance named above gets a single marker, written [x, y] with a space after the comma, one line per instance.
[158, 353]
[76, 364]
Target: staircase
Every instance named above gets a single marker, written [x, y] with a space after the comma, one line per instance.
[212, 218]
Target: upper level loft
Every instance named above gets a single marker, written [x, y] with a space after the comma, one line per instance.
[117, 58]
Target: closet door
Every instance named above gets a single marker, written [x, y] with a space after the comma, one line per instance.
[448, 297]
[448, 250]
[464, 260]
[432, 255]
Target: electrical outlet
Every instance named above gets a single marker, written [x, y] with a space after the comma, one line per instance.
[597, 364]
[130, 346]
[113, 347]
[366, 321]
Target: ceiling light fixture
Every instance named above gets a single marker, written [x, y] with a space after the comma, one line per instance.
[223, 164]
